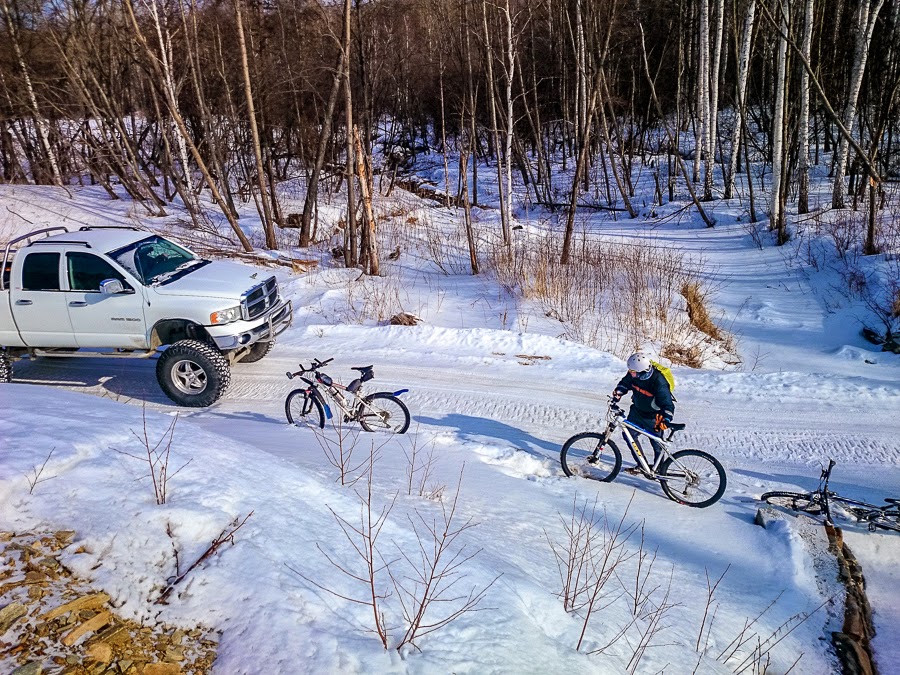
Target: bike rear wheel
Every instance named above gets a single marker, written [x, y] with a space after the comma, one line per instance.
[587, 456]
[693, 478]
[886, 520]
[805, 502]
[384, 412]
[303, 410]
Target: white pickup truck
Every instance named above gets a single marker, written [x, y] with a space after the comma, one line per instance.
[125, 292]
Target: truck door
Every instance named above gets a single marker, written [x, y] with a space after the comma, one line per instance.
[38, 303]
[100, 319]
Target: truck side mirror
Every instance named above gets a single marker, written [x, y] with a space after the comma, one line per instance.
[111, 287]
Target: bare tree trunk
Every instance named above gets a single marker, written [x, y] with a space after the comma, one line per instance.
[701, 134]
[351, 253]
[312, 188]
[803, 129]
[714, 102]
[268, 224]
[369, 257]
[510, 121]
[743, 66]
[776, 213]
[492, 100]
[866, 17]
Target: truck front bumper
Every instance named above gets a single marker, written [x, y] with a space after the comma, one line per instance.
[273, 325]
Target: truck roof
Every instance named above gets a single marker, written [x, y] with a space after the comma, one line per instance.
[104, 239]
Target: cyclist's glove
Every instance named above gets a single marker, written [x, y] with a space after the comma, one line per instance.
[663, 420]
[617, 395]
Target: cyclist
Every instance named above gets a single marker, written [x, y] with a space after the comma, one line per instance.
[652, 405]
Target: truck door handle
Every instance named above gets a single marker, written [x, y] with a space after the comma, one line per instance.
[24, 302]
[77, 303]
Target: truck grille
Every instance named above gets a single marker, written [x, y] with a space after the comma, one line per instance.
[259, 299]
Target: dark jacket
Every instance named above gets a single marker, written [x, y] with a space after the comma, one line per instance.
[651, 396]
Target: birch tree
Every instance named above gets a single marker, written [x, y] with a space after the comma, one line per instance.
[743, 68]
[866, 16]
[776, 211]
[803, 128]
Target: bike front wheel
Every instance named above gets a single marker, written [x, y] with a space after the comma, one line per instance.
[586, 455]
[384, 412]
[805, 502]
[693, 478]
[303, 410]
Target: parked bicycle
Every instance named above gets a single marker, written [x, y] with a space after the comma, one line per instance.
[307, 406]
[690, 477]
[820, 501]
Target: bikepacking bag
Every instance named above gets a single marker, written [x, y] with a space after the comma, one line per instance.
[666, 373]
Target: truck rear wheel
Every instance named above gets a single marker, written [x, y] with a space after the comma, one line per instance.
[257, 351]
[193, 373]
[5, 368]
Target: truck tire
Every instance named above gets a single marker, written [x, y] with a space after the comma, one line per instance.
[257, 352]
[6, 370]
[193, 373]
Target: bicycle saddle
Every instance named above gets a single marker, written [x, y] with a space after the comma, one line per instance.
[676, 427]
[892, 500]
[366, 373]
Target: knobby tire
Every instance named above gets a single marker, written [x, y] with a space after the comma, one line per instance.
[693, 478]
[302, 410]
[577, 452]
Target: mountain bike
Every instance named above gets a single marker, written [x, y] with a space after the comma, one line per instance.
[819, 502]
[307, 406]
[690, 477]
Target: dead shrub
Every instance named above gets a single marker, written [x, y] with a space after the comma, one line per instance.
[691, 357]
[615, 296]
[696, 309]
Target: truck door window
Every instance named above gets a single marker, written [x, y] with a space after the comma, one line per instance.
[40, 272]
[87, 271]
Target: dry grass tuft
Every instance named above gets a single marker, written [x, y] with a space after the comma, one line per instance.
[691, 356]
[695, 296]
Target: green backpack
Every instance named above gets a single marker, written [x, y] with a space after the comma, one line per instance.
[666, 372]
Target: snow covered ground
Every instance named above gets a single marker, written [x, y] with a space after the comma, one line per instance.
[809, 388]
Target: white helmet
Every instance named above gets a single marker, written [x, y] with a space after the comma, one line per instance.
[639, 363]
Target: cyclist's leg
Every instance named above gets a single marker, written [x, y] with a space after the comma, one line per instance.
[646, 423]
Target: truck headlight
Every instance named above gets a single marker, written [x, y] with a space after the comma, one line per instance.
[225, 315]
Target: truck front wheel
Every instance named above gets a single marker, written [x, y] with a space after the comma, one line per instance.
[257, 351]
[193, 373]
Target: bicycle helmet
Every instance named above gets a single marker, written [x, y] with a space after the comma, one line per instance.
[639, 363]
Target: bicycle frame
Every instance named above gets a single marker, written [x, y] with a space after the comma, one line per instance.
[615, 418]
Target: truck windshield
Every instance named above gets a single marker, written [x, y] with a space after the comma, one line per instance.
[156, 260]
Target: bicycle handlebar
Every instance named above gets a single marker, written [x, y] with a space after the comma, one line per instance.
[315, 365]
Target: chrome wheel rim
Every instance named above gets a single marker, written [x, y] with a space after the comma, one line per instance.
[188, 377]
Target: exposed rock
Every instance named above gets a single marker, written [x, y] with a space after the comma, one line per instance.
[84, 602]
[88, 626]
[10, 614]
[99, 651]
[162, 669]
[33, 668]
